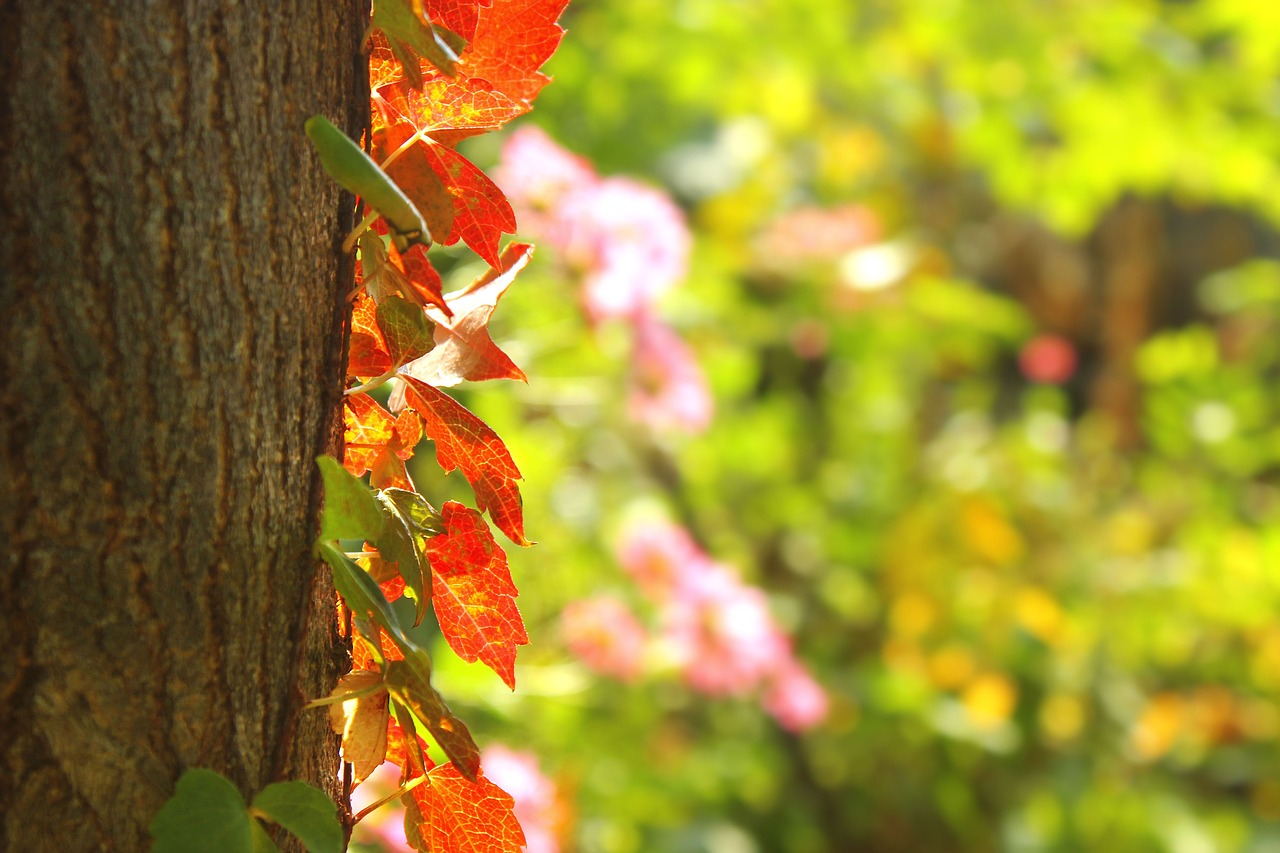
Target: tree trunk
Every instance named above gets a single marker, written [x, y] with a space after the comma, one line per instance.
[171, 315]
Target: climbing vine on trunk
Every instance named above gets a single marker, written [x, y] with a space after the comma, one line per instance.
[440, 71]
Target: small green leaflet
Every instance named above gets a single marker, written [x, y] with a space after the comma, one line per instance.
[399, 545]
[350, 511]
[303, 810]
[405, 328]
[206, 814]
[355, 170]
[406, 25]
[422, 516]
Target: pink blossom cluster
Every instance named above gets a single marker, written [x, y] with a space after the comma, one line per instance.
[630, 244]
[717, 629]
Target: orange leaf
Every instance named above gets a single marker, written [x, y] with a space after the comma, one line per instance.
[464, 350]
[465, 442]
[368, 429]
[362, 656]
[472, 592]
[450, 814]
[379, 442]
[481, 212]
[368, 356]
[413, 172]
[418, 270]
[513, 39]
[459, 16]
[388, 469]
[448, 110]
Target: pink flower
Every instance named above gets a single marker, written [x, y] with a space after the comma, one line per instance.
[629, 240]
[668, 389]
[661, 557]
[535, 172]
[632, 241]
[537, 807]
[603, 634]
[795, 700]
[727, 640]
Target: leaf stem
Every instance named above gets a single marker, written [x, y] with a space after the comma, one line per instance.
[409, 786]
[349, 244]
[421, 133]
[344, 697]
[371, 384]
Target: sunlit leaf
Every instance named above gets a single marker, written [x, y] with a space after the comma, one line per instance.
[465, 442]
[474, 596]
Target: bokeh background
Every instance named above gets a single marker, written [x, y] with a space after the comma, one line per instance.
[902, 442]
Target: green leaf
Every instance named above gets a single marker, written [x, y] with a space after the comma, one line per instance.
[397, 544]
[350, 511]
[401, 21]
[348, 164]
[408, 681]
[305, 811]
[262, 842]
[405, 328]
[359, 591]
[422, 516]
[205, 813]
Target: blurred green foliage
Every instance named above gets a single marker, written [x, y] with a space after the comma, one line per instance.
[1046, 613]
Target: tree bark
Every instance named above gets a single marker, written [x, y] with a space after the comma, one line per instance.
[171, 345]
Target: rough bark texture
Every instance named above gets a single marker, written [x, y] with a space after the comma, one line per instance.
[170, 365]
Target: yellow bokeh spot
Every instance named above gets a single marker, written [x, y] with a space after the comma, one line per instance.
[990, 700]
[951, 666]
[988, 534]
[1264, 666]
[912, 615]
[1039, 614]
[1062, 717]
[1131, 533]
[1158, 726]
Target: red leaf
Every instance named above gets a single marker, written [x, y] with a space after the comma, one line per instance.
[368, 355]
[368, 429]
[465, 442]
[473, 594]
[424, 278]
[464, 350]
[448, 110]
[414, 173]
[513, 39]
[481, 212]
[379, 442]
[449, 814]
[459, 16]
[457, 200]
